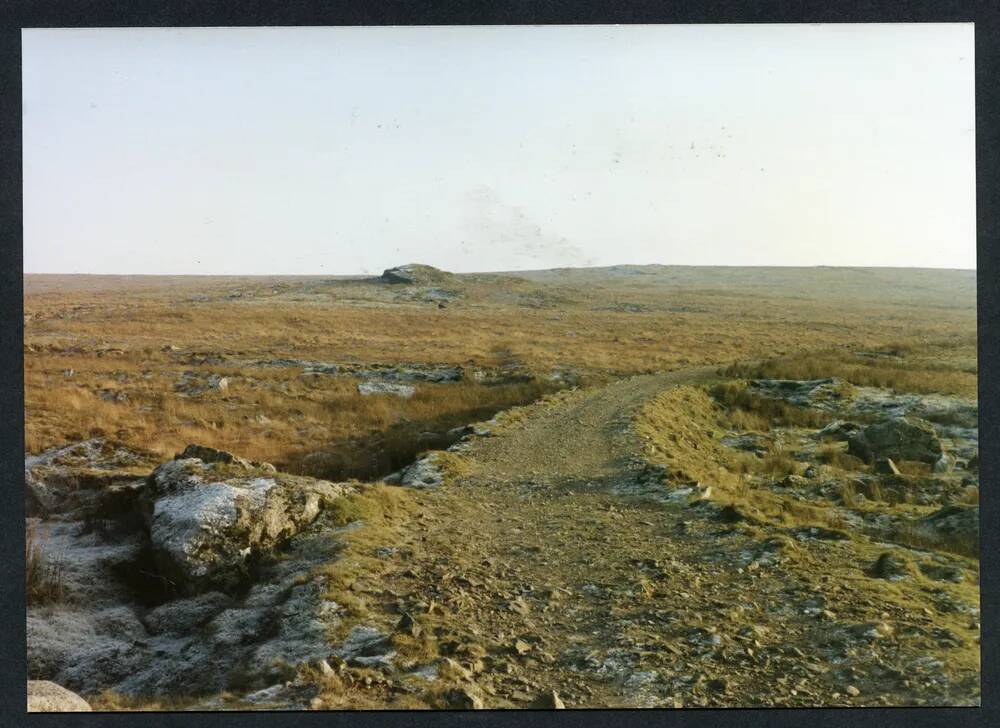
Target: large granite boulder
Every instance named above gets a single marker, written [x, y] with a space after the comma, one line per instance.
[901, 438]
[208, 521]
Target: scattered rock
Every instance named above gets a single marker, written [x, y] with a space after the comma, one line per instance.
[549, 700]
[408, 625]
[852, 691]
[892, 567]
[427, 472]
[817, 393]
[944, 464]
[900, 438]
[837, 430]
[956, 523]
[466, 697]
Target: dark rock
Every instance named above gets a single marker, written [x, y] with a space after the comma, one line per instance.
[956, 523]
[901, 438]
[891, 566]
[731, 514]
[408, 625]
[718, 685]
[465, 697]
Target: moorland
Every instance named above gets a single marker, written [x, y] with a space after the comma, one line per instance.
[634, 486]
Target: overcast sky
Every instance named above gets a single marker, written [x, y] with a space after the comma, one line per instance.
[349, 150]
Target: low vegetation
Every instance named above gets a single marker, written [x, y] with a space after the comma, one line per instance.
[946, 368]
[542, 563]
[754, 412]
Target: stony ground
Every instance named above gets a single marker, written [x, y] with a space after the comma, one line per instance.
[556, 558]
[547, 567]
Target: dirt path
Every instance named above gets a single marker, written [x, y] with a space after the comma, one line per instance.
[536, 573]
[584, 439]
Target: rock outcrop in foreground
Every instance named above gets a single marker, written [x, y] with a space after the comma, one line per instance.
[205, 529]
[180, 588]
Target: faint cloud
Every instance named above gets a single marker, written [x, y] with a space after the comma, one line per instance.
[491, 221]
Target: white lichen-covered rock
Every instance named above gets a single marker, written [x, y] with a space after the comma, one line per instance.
[427, 472]
[397, 390]
[206, 524]
[47, 697]
[424, 473]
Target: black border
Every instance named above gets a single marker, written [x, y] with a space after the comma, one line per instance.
[17, 14]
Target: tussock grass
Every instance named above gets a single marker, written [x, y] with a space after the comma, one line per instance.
[920, 537]
[838, 457]
[969, 496]
[384, 510]
[103, 327]
[949, 372]
[778, 464]
[763, 412]
[318, 426]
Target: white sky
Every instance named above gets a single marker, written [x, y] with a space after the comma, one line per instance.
[348, 150]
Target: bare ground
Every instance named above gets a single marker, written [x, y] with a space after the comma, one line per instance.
[552, 565]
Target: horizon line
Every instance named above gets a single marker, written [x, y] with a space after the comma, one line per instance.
[508, 270]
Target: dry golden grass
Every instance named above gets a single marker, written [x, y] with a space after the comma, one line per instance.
[837, 456]
[949, 373]
[922, 538]
[115, 334]
[762, 412]
[312, 425]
